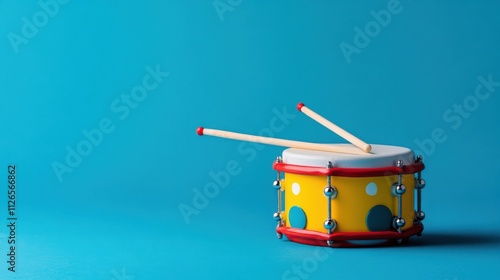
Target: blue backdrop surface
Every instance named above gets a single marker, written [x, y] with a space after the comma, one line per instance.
[100, 102]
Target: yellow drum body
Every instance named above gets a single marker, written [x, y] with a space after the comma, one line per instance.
[344, 198]
[352, 205]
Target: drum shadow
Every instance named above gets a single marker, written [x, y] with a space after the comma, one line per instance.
[455, 239]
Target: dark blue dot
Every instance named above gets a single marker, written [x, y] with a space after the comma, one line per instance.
[379, 218]
[297, 217]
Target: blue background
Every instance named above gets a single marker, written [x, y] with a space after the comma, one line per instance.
[116, 215]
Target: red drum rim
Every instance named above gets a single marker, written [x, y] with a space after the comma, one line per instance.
[348, 172]
[342, 239]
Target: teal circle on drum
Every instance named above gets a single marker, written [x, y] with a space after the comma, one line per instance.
[371, 189]
[297, 217]
[379, 218]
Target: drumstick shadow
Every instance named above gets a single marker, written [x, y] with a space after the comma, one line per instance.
[455, 239]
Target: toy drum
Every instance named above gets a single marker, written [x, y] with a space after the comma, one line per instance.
[345, 200]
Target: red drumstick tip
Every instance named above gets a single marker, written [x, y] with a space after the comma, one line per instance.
[300, 105]
[199, 130]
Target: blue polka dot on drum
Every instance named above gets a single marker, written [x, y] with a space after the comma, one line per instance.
[297, 217]
[379, 218]
[371, 189]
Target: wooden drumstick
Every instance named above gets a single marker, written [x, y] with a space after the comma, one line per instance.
[333, 127]
[278, 142]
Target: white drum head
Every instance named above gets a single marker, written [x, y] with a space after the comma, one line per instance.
[380, 156]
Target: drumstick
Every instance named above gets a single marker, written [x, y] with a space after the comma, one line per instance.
[333, 127]
[278, 142]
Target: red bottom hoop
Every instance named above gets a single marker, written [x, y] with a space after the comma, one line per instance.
[348, 239]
